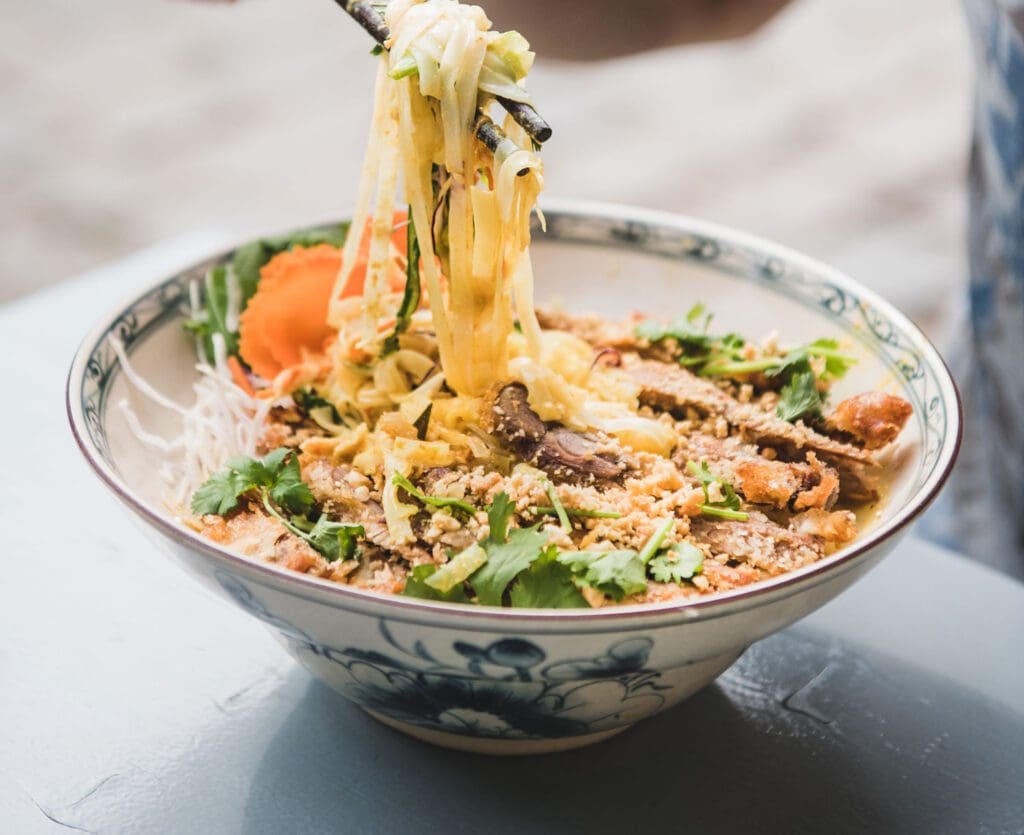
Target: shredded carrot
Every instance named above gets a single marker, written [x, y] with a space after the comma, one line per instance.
[240, 377]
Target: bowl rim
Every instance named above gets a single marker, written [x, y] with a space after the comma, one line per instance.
[691, 609]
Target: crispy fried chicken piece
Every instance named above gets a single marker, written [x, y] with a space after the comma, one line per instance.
[834, 529]
[873, 418]
[782, 484]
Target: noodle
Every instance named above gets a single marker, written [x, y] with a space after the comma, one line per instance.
[422, 126]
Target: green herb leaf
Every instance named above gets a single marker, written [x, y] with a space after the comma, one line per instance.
[411, 297]
[729, 506]
[582, 512]
[335, 540]
[614, 573]
[219, 495]
[505, 560]
[333, 234]
[416, 586]
[498, 515]
[836, 363]
[653, 545]
[687, 331]
[433, 501]
[404, 67]
[556, 503]
[288, 489]
[680, 562]
[246, 264]
[546, 585]
[724, 513]
[277, 473]
[799, 398]
[212, 318]
[307, 400]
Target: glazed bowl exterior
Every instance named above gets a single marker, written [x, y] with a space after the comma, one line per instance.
[530, 681]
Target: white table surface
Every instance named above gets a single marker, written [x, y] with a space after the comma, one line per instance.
[131, 701]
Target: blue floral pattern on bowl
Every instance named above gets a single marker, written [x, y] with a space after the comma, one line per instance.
[506, 688]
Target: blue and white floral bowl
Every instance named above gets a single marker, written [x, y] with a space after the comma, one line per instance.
[532, 681]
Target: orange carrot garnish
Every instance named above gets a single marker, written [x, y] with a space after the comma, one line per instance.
[286, 319]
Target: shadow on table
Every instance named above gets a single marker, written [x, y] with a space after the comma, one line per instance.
[825, 740]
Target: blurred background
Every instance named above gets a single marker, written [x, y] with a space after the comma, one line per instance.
[840, 128]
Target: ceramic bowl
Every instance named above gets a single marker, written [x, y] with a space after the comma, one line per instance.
[526, 681]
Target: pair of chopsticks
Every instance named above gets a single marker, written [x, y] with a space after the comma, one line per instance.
[364, 13]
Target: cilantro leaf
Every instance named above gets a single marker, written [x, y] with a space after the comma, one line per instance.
[416, 586]
[498, 514]
[680, 562]
[277, 480]
[433, 501]
[219, 495]
[799, 398]
[505, 560]
[615, 573]
[546, 585]
[335, 540]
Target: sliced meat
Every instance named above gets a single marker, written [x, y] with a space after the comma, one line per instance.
[767, 429]
[671, 388]
[874, 418]
[759, 542]
[566, 454]
[515, 422]
[562, 453]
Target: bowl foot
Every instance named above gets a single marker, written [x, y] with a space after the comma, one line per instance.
[500, 747]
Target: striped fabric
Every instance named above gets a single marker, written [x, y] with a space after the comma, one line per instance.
[988, 492]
